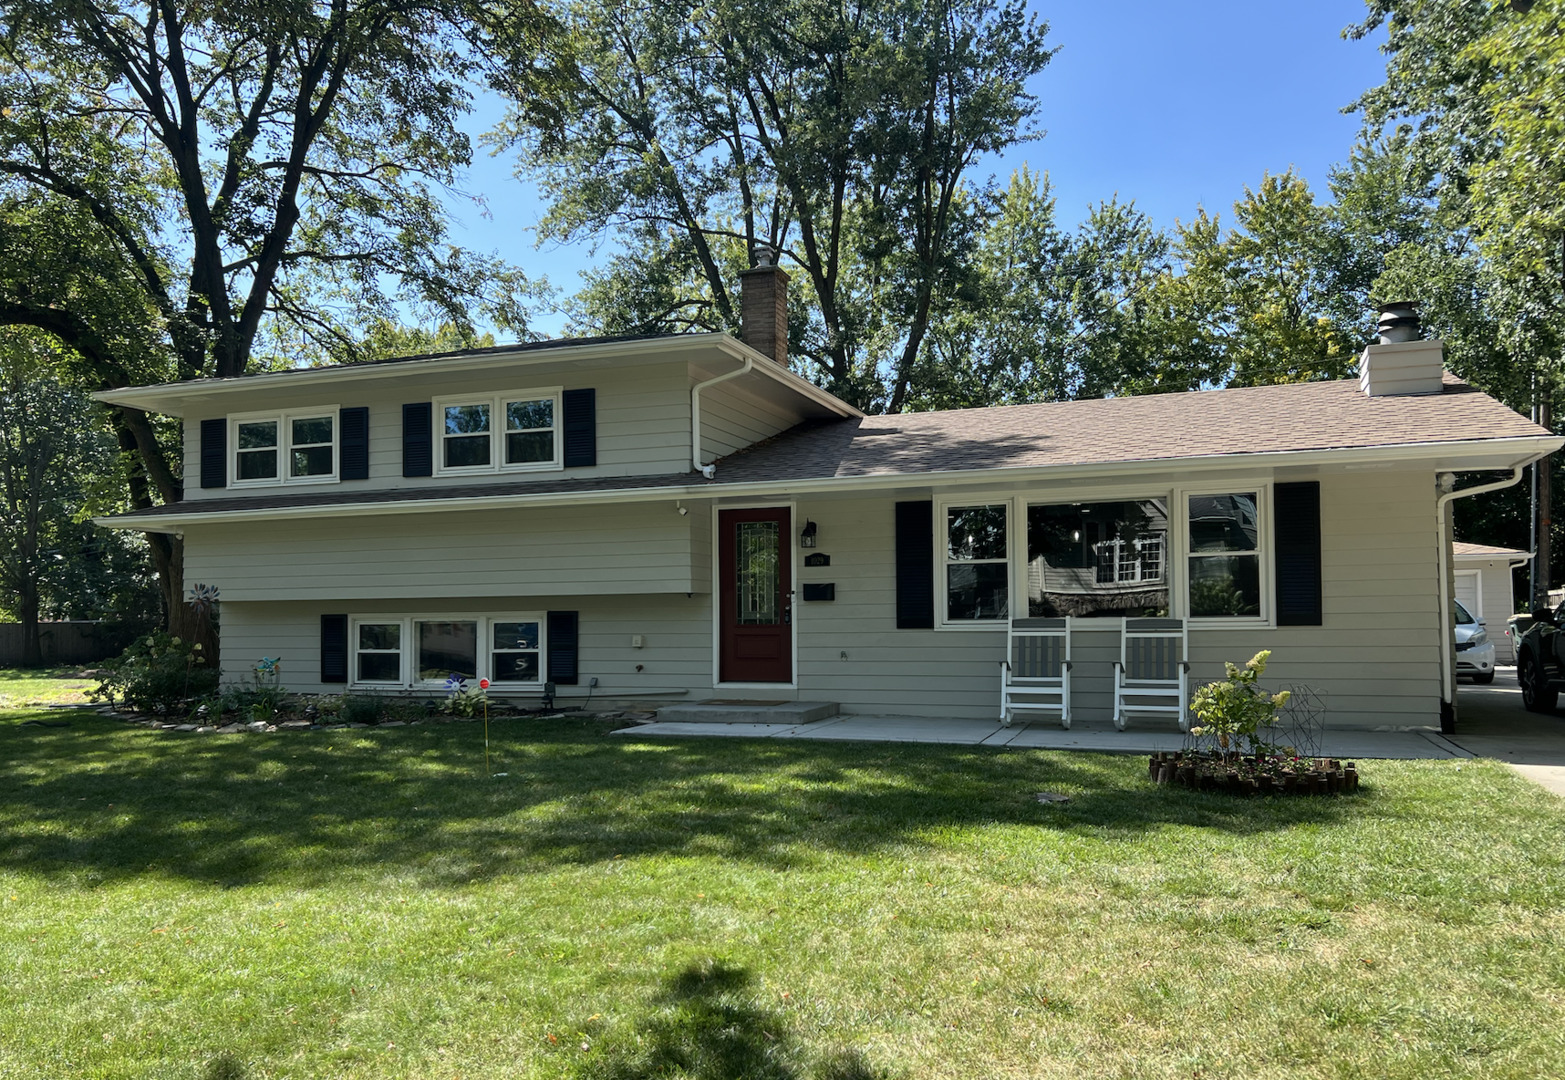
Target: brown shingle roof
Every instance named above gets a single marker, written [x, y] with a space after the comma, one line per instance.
[1248, 420]
[1164, 427]
[1461, 548]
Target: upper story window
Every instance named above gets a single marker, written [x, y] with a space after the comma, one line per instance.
[285, 448]
[516, 431]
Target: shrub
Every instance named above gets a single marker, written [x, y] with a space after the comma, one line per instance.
[158, 673]
[360, 709]
[1237, 708]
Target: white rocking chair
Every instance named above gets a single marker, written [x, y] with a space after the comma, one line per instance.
[1036, 674]
[1152, 675]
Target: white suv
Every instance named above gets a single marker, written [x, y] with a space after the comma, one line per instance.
[1474, 650]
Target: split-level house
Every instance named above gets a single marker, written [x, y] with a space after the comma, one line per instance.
[683, 518]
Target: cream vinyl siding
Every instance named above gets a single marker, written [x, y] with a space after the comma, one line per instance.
[733, 417]
[675, 656]
[1375, 658]
[553, 551]
[643, 415]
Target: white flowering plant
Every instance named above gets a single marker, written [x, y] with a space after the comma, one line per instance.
[1237, 708]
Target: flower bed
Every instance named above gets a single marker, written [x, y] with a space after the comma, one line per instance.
[1256, 774]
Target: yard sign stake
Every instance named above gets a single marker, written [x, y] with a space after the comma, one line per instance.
[483, 685]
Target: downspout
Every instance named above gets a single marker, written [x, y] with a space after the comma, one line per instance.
[695, 412]
[1446, 485]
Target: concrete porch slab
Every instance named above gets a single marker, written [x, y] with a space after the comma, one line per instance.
[1351, 745]
[739, 712]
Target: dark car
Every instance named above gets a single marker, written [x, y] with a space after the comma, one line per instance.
[1540, 660]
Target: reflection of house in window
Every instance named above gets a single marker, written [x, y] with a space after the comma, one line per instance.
[1097, 559]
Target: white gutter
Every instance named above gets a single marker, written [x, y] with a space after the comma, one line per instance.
[695, 412]
[1445, 485]
[1528, 449]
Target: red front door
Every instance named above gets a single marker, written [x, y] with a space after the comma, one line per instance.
[755, 596]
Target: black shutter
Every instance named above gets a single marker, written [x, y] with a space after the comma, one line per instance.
[1298, 553]
[334, 648]
[418, 456]
[354, 443]
[581, 428]
[915, 565]
[562, 648]
[214, 453]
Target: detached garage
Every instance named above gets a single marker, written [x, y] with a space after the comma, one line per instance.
[1484, 586]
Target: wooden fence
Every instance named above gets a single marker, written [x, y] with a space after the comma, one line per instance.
[80, 642]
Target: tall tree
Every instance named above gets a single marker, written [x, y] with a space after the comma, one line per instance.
[56, 458]
[1477, 90]
[840, 135]
[1046, 314]
[245, 180]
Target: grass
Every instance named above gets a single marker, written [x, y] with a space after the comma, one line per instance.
[21, 687]
[366, 904]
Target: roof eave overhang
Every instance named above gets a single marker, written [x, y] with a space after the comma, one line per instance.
[173, 399]
[1471, 455]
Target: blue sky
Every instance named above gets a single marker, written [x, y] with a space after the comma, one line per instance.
[1174, 105]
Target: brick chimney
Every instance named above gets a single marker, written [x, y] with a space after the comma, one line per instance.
[763, 306]
[1401, 362]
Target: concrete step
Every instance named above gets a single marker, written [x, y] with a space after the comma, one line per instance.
[748, 712]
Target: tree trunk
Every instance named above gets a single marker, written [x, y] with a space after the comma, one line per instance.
[1544, 576]
[32, 647]
[184, 620]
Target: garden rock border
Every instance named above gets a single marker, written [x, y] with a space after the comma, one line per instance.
[261, 727]
[1257, 774]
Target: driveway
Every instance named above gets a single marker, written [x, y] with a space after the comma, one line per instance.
[1491, 722]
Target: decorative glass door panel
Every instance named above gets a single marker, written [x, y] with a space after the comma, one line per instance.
[756, 556]
[755, 596]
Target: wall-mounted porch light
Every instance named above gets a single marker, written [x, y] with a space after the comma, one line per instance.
[807, 537]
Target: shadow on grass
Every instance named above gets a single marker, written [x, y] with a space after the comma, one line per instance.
[104, 801]
[706, 1025]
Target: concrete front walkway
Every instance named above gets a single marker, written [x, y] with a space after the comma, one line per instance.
[1491, 723]
[1351, 745]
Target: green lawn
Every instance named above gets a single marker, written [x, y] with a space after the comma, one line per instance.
[20, 687]
[368, 904]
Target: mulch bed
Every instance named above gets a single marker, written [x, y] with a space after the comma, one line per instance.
[1260, 774]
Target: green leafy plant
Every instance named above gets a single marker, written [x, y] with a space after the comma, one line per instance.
[158, 673]
[266, 693]
[1237, 708]
[360, 709]
[463, 698]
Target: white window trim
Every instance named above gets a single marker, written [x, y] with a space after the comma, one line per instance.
[284, 422]
[942, 541]
[354, 622]
[409, 679]
[497, 403]
[1265, 554]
